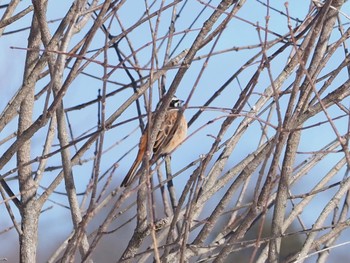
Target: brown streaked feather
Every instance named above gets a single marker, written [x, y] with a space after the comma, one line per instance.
[168, 138]
[164, 131]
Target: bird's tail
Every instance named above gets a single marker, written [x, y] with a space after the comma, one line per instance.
[129, 178]
[131, 174]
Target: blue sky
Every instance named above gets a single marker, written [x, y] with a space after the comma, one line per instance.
[220, 67]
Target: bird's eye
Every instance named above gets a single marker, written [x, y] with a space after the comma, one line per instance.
[177, 103]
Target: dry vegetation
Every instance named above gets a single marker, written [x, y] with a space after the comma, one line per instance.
[263, 173]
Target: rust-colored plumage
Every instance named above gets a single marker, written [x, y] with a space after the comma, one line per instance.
[168, 138]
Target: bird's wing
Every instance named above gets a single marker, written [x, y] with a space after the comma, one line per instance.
[164, 134]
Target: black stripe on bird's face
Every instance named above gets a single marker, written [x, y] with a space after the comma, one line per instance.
[175, 103]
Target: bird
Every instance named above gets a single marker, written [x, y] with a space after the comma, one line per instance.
[167, 139]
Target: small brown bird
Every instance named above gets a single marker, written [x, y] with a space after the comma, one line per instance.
[168, 137]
